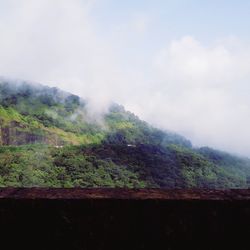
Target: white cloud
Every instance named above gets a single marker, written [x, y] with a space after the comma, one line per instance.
[203, 93]
[140, 22]
[55, 42]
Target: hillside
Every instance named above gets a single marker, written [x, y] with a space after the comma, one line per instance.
[49, 139]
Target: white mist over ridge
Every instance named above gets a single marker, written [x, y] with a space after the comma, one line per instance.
[200, 90]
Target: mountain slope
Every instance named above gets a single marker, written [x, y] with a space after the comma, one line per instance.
[49, 138]
[44, 112]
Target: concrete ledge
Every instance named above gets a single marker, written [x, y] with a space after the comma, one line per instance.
[134, 194]
[124, 219]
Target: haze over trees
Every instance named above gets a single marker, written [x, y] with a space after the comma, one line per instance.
[49, 139]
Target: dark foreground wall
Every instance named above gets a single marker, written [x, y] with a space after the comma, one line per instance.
[124, 219]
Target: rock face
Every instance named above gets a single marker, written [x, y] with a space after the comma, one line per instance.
[13, 134]
[16, 134]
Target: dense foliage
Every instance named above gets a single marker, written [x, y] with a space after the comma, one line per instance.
[49, 139]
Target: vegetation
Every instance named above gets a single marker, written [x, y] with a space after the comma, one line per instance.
[48, 139]
[44, 166]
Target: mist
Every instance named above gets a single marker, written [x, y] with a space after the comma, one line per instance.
[182, 82]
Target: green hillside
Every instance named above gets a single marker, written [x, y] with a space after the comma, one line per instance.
[49, 139]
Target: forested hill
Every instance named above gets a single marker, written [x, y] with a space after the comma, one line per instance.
[49, 138]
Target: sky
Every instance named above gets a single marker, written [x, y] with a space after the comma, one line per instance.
[181, 65]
